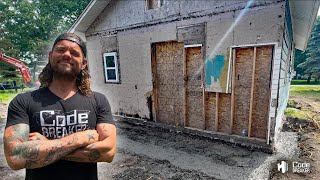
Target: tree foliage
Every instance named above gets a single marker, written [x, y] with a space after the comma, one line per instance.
[311, 65]
[27, 27]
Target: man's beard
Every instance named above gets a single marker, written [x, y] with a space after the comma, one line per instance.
[65, 74]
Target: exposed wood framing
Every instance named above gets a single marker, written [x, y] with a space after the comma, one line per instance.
[252, 90]
[184, 87]
[204, 107]
[203, 90]
[216, 122]
[154, 80]
[233, 85]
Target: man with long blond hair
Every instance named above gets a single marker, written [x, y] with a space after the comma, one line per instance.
[63, 129]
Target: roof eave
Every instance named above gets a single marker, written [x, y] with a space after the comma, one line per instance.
[88, 15]
[304, 14]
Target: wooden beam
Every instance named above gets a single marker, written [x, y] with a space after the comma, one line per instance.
[154, 80]
[203, 89]
[184, 87]
[233, 86]
[252, 90]
[204, 107]
[216, 122]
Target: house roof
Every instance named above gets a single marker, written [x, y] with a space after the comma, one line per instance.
[89, 15]
[303, 14]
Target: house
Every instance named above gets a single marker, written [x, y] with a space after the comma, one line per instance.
[212, 65]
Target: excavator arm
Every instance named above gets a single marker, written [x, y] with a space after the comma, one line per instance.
[20, 65]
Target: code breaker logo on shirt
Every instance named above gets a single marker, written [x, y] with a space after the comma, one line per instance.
[55, 124]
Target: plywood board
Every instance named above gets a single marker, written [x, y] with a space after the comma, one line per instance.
[252, 89]
[261, 96]
[210, 110]
[192, 34]
[224, 113]
[194, 104]
[242, 89]
[169, 84]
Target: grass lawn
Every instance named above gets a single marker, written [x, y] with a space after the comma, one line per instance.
[7, 95]
[305, 91]
[302, 91]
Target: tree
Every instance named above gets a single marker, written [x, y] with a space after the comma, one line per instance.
[299, 57]
[27, 27]
[312, 63]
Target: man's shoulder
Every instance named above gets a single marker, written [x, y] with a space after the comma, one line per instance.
[100, 98]
[98, 95]
[31, 94]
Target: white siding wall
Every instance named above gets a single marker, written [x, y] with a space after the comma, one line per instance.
[133, 46]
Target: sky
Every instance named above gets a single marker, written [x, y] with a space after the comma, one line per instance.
[319, 11]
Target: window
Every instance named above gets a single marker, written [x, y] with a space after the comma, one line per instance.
[110, 67]
[154, 4]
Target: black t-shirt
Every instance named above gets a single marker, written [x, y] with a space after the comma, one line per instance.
[55, 118]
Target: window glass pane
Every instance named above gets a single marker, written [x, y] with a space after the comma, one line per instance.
[110, 61]
[111, 74]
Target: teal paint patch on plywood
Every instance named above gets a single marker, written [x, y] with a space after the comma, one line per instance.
[216, 74]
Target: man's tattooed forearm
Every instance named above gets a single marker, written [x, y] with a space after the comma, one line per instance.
[105, 128]
[55, 153]
[74, 138]
[94, 155]
[90, 136]
[27, 151]
[30, 164]
[20, 131]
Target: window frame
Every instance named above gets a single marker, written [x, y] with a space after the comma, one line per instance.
[147, 5]
[105, 68]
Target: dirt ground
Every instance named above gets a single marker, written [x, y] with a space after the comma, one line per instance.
[149, 152]
[309, 141]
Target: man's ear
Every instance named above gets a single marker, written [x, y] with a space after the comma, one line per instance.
[49, 57]
[84, 63]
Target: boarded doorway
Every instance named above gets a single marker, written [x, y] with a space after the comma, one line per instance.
[251, 90]
[167, 72]
[194, 91]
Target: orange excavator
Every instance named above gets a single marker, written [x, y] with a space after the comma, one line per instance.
[22, 67]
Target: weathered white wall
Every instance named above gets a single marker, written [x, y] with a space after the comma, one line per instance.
[127, 13]
[260, 24]
[130, 96]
